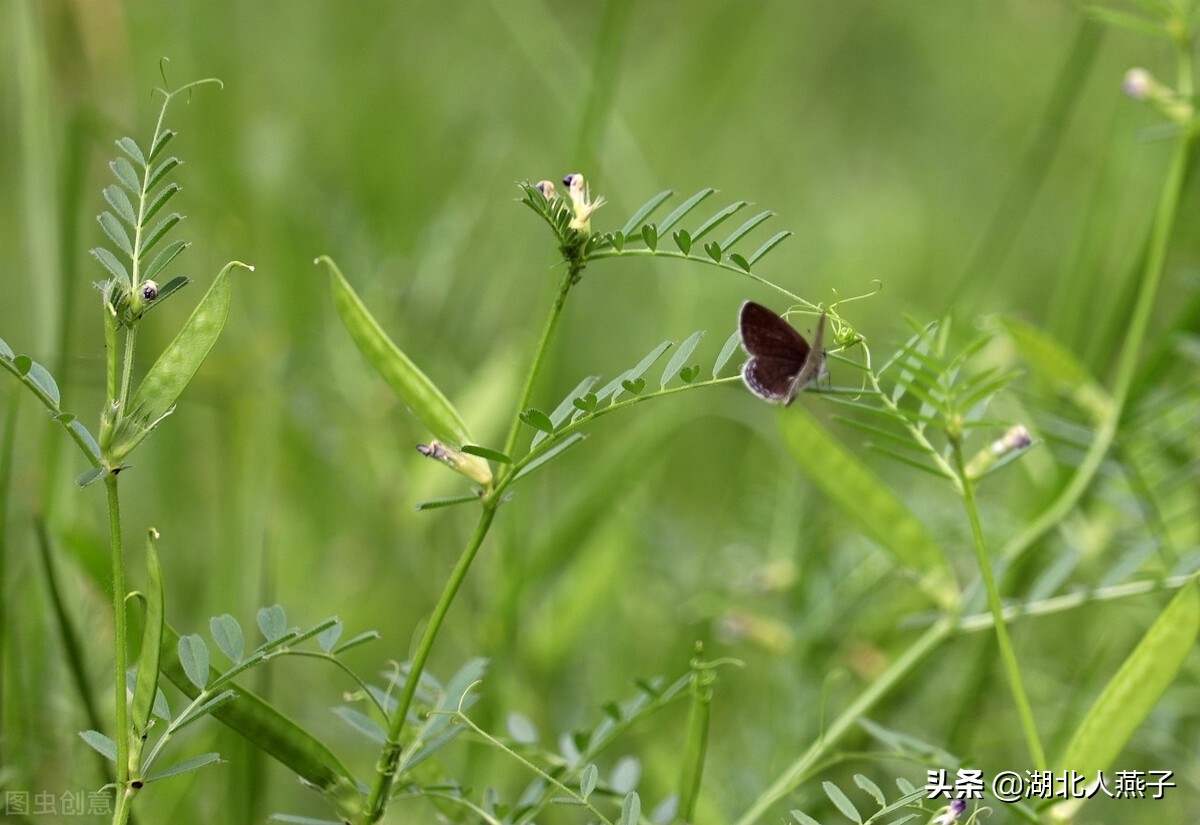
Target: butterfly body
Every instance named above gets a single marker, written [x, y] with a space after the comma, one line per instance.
[782, 362]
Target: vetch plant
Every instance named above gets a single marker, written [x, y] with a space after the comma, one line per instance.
[937, 406]
[137, 226]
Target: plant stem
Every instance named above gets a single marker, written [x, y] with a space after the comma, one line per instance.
[120, 634]
[126, 370]
[539, 354]
[389, 758]
[798, 771]
[1127, 361]
[1007, 656]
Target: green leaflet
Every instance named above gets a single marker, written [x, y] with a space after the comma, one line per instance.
[861, 495]
[174, 369]
[1133, 692]
[413, 387]
[266, 728]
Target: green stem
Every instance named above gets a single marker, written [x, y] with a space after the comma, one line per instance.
[723, 264]
[389, 758]
[1127, 361]
[574, 794]
[539, 354]
[1007, 656]
[126, 370]
[120, 633]
[799, 770]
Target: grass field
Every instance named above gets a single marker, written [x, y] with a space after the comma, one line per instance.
[964, 164]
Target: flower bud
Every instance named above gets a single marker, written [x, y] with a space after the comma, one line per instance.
[149, 291]
[1015, 440]
[1137, 84]
[546, 187]
[471, 466]
[953, 811]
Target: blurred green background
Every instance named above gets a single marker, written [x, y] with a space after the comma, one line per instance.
[974, 157]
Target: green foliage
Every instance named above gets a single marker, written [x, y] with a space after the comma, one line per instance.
[411, 385]
[700, 520]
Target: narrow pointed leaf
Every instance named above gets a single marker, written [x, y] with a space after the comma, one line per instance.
[119, 201]
[129, 146]
[164, 138]
[164, 257]
[85, 438]
[551, 453]
[841, 801]
[412, 386]
[362, 723]
[745, 229]
[447, 501]
[717, 219]
[679, 359]
[485, 452]
[115, 232]
[803, 818]
[187, 766]
[102, 744]
[863, 498]
[111, 263]
[126, 174]
[731, 344]
[684, 208]
[360, 639]
[159, 201]
[770, 244]
[644, 211]
[1137, 686]
[161, 171]
[89, 477]
[870, 787]
[156, 234]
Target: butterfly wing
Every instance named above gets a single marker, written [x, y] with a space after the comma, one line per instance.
[766, 334]
[771, 379]
[781, 361]
[777, 353]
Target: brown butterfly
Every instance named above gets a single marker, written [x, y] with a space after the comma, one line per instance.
[781, 361]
